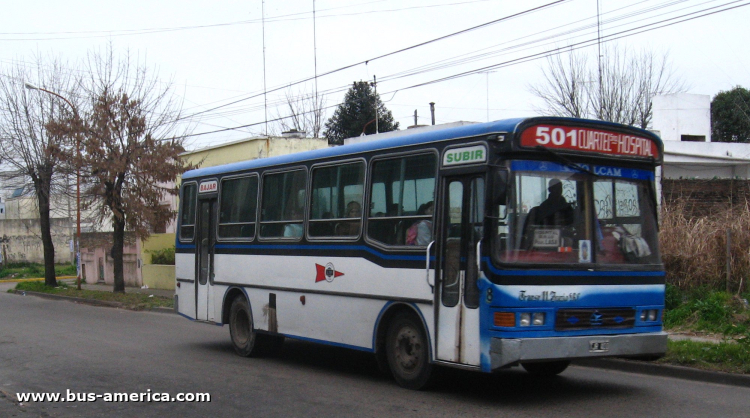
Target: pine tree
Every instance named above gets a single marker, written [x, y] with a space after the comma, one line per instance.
[357, 115]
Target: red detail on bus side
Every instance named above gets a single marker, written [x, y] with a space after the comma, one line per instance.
[321, 273]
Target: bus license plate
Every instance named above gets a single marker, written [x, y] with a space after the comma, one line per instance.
[598, 346]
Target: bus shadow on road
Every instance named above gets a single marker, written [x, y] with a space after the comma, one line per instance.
[510, 386]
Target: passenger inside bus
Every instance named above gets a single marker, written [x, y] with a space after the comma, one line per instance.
[420, 233]
[293, 230]
[350, 228]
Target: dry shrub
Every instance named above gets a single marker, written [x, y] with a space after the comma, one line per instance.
[694, 247]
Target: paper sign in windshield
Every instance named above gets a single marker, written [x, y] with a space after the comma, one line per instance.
[546, 238]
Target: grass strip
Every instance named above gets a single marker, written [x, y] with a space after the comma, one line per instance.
[30, 270]
[133, 301]
[731, 357]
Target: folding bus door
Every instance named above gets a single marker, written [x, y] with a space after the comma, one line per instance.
[458, 314]
[206, 241]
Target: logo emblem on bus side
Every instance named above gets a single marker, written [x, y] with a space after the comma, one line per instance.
[327, 273]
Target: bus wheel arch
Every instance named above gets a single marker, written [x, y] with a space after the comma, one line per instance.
[229, 296]
[400, 330]
[241, 326]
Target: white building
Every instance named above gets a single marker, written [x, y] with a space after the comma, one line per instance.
[683, 117]
[684, 123]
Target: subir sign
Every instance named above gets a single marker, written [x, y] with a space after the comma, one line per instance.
[465, 155]
[589, 140]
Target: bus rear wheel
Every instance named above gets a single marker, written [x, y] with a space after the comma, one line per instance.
[244, 337]
[407, 352]
[546, 369]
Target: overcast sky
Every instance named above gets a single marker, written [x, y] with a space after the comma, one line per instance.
[213, 50]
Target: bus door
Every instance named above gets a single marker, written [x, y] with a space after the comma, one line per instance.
[461, 229]
[206, 241]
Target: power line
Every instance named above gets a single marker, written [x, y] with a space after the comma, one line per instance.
[492, 22]
[583, 44]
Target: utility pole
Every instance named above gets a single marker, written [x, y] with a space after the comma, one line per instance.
[375, 85]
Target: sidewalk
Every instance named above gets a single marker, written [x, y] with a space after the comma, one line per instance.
[109, 288]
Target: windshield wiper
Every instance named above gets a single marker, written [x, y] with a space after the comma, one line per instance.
[567, 162]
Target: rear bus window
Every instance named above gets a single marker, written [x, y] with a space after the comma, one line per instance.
[187, 218]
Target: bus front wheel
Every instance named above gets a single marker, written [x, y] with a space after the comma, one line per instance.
[241, 330]
[407, 351]
[546, 369]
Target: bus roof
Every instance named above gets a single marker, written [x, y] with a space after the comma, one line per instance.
[406, 139]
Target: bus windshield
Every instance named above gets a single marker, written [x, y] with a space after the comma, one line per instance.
[560, 214]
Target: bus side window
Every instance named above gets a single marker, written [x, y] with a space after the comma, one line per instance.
[282, 204]
[187, 212]
[238, 206]
[399, 188]
[336, 204]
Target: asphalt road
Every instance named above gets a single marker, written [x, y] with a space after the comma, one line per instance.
[56, 346]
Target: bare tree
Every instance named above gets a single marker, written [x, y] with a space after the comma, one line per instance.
[619, 88]
[565, 91]
[302, 112]
[30, 153]
[131, 147]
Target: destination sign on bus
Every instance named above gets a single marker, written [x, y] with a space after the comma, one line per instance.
[589, 140]
[208, 186]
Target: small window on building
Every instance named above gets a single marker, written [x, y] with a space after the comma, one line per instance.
[693, 138]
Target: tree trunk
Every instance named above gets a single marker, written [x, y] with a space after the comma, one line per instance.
[118, 237]
[42, 194]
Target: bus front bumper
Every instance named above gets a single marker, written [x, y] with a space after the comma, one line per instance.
[510, 351]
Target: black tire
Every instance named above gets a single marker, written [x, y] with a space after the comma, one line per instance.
[546, 369]
[407, 349]
[244, 337]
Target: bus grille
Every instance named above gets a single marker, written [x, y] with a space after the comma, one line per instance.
[610, 318]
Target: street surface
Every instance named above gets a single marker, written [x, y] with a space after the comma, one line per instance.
[55, 346]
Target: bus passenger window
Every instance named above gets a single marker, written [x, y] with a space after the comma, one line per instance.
[399, 188]
[336, 204]
[238, 206]
[187, 215]
[282, 204]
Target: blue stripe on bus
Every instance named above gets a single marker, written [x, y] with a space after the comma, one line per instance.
[604, 171]
[610, 273]
[324, 247]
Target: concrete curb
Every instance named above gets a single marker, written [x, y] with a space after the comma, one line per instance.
[667, 370]
[35, 279]
[93, 302]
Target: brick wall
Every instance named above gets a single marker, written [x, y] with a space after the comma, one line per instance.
[706, 197]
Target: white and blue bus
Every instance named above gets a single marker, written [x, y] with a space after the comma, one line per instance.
[525, 242]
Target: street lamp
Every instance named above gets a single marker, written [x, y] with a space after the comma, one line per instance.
[78, 182]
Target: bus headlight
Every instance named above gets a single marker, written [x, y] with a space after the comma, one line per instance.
[525, 320]
[538, 318]
[649, 315]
